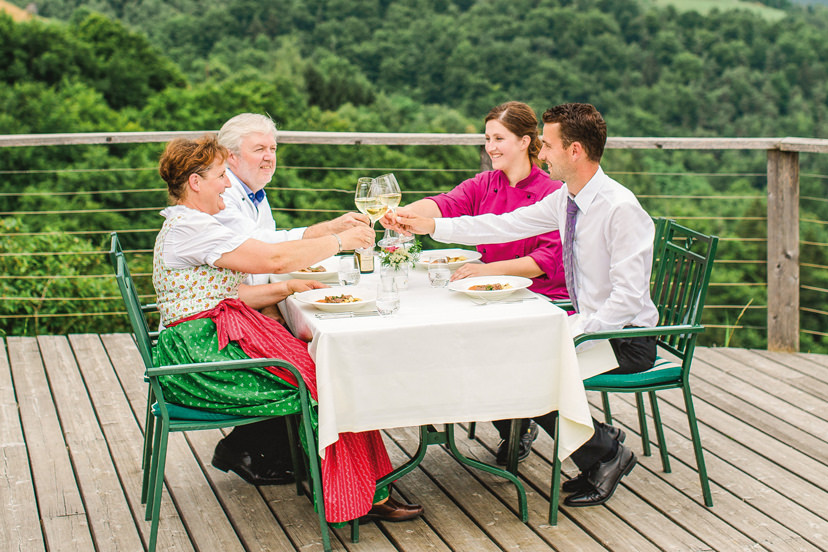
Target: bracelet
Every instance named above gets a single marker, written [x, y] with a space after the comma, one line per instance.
[339, 242]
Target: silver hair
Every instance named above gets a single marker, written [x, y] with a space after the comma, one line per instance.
[234, 130]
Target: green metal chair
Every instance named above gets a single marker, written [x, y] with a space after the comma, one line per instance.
[169, 417]
[683, 264]
[116, 252]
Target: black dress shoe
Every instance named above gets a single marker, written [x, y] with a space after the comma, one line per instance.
[604, 479]
[525, 448]
[579, 483]
[252, 467]
[393, 510]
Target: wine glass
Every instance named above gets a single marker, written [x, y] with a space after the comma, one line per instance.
[390, 193]
[362, 196]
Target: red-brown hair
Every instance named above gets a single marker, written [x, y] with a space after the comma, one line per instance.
[184, 157]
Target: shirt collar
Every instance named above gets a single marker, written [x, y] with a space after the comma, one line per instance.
[255, 197]
[589, 191]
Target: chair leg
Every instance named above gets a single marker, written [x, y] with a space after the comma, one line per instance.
[293, 443]
[159, 461]
[315, 470]
[472, 428]
[555, 491]
[662, 443]
[149, 424]
[607, 411]
[697, 446]
[149, 473]
[642, 423]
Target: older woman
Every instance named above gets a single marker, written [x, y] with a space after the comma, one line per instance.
[198, 269]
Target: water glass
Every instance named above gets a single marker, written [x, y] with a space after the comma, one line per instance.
[388, 298]
[348, 271]
[439, 272]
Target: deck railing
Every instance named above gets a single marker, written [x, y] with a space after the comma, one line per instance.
[783, 197]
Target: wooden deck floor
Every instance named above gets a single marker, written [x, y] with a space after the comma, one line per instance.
[70, 443]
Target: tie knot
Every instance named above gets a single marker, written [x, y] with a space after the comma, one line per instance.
[571, 206]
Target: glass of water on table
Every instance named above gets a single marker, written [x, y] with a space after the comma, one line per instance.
[439, 272]
[388, 297]
[348, 271]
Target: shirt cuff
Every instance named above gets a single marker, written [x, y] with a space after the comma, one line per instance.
[443, 227]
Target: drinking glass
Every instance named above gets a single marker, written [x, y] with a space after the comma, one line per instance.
[348, 271]
[390, 194]
[439, 272]
[388, 297]
[362, 196]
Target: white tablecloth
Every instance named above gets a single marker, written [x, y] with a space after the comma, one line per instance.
[443, 359]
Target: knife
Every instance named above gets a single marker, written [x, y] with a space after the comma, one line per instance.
[349, 314]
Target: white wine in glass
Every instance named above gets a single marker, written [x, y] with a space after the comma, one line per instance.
[388, 190]
[362, 197]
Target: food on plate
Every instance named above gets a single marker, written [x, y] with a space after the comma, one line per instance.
[490, 287]
[339, 299]
[451, 260]
[318, 268]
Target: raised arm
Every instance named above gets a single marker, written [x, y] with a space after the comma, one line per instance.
[257, 257]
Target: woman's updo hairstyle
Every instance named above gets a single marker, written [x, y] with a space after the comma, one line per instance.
[184, 157]
[520, 120]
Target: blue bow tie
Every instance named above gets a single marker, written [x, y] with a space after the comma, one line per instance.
[257, 197]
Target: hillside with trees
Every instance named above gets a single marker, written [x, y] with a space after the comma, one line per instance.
[409, 66]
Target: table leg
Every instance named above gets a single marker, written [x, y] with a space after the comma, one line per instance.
[449, 438]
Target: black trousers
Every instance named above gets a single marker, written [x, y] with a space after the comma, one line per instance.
[268, 438]
[634, 354]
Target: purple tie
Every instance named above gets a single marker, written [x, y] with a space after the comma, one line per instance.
[569, 239]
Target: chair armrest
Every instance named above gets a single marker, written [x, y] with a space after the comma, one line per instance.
[638, 332]
[240, 364]
[151, 307]
[565, 304]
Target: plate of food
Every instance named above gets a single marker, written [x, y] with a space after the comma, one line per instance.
[456, 257]
[490, 288]
[323, 271]
[339, 299]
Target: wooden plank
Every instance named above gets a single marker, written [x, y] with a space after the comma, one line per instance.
[497, 517]
[788, 144]
[772, 515]
[19, 524]
[246, 509]
[772, 367]
[123, 436]
[197, 506]
[106, 506]
[62, 513]
[812, 365]
[779, 404]
[783, 251]
[673, 502]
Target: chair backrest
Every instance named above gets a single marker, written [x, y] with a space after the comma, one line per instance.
[658, 241]
[680, 280]
[133, 307]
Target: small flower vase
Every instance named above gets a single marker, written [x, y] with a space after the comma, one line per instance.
[399, 273]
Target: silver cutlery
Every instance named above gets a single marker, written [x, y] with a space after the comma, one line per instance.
[503, 302]
[349, 314]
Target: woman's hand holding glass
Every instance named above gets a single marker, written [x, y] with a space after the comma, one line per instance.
[408, 222]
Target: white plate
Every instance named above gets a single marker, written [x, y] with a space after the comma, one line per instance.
[429, 255]
[331, 265]
[311, 297]
[515, 283]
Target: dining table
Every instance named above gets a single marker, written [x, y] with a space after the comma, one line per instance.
[443, 358]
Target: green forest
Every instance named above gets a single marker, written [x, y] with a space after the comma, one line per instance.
[396, 66]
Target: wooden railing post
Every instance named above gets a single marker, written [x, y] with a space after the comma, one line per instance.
[783, 251]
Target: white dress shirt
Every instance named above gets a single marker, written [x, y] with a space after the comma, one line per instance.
[612, 250]
[252, 221]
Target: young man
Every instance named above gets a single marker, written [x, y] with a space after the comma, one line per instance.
[608, 247]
